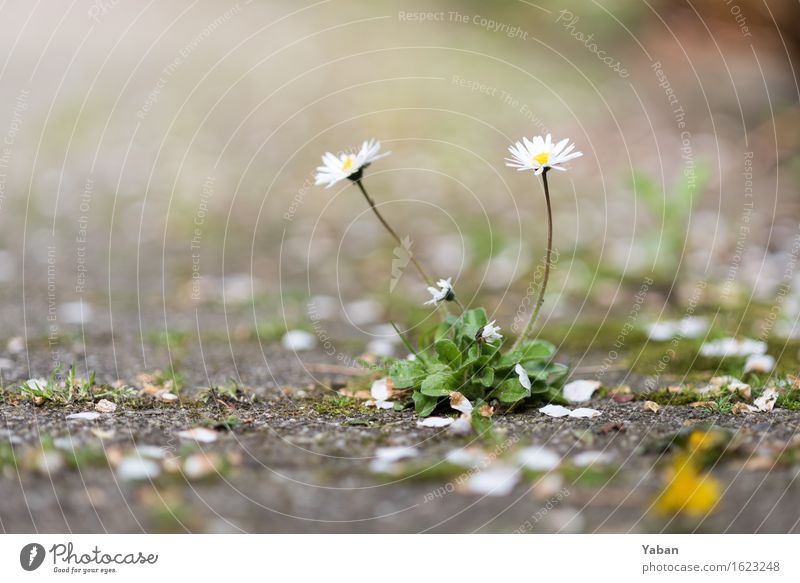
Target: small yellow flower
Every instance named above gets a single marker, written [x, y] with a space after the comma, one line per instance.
[687, 491]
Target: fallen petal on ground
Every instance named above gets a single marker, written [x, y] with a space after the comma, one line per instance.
[555, 411]
[200, 434]
[538, 459]
[435, 422]
[494, 481]
[580, 391]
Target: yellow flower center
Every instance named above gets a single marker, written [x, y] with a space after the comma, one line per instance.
[348, 163]
[542, 158]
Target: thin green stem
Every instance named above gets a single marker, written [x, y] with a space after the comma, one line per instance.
[392, 232]
[423, 274]
[540, 300]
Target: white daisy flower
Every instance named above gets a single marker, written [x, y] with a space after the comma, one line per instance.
[489, 332]
[541, 154]
[443, 294]
[347, 164]
[523, 377]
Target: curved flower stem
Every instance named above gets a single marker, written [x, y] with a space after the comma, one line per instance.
[423, 274]
[540, 299]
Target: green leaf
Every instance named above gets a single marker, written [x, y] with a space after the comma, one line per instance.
[471, 322]
[530, 351]
[487, 378]
[649, 193]
[536, 350]
[480, 424]
[511, 391]
[448, 352]
[407, 373]
[423, 404]
[476, 317]
[440, 383]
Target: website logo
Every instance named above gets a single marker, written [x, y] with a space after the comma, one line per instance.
[31, 556]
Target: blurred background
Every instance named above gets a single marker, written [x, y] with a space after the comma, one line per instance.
[158, 158]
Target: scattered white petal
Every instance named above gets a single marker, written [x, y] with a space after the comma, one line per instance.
[363, 312]
[524, 380]
[103, 433]
[380, 347]
[380, 389]
[460, 403]
[584, 413]
[166, 396]
[538, 459]
[68, 443]
[565, 521]
[555, 411]
[298, 340]
[200, 434]
[136, 468]
[49, 462]
[689, 327]
[548, 485]
[16, 344]
[588, 458]
[151, 451]
[462, 425]
[497, 480]
[468, 457]
[729, 347]
[580, 391]
[105, 406]
[84, 415]
[198, 465]
[323, 307]
[75, 312]
[386, 457]
[435, 422]
[762, 363]
[766, 401]
[652, 406]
